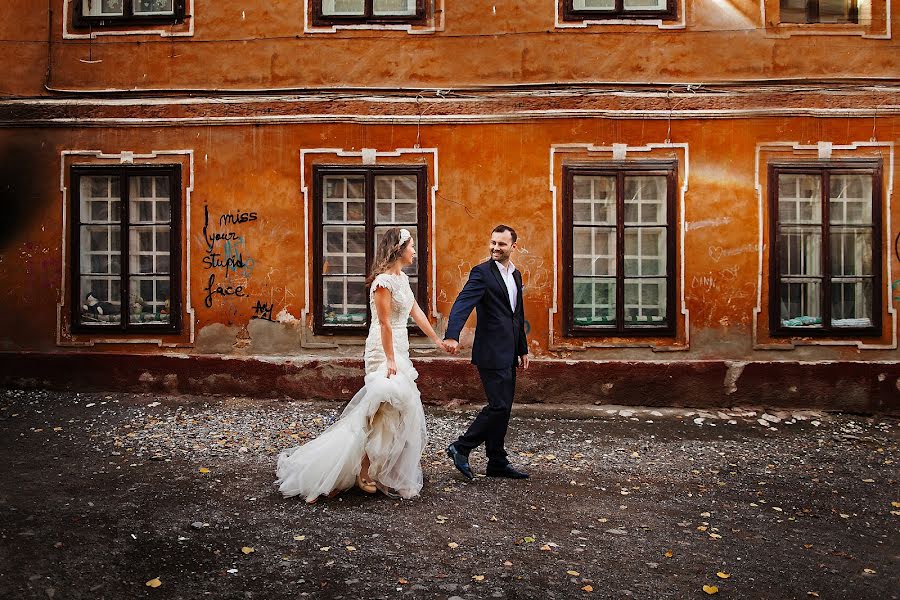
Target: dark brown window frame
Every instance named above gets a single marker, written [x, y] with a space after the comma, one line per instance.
[619, 169]
[125, 172]
[571, 14]
[369, 173]
[825, 169]
[812, 15]
[420, 18]
[82, 21]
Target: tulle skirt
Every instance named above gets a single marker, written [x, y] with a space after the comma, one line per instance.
[385, 421]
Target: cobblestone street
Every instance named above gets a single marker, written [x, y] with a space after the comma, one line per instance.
[138, 496]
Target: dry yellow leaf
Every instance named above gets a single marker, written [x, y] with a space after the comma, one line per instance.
[493, 518]
[587, 588]
[351, 548]
[246, 549]
[869, 571]
[453, 545]
[710, 589]
[573, 573]
[715, 536]
[723, 575]
[478, 577]
[895, 504]
[204, 470]
[506, 563]
[669, 554]
[807, 546]
[701, 528]
[813, 594]
[546, 548]
[154, 583]
[299, 538]
[402, 581]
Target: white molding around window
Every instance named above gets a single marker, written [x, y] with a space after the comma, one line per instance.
[434, 11]
[363, 156]
[621, 152]
[68, 158]
[185, 29]
[680, 23]
[783, 152]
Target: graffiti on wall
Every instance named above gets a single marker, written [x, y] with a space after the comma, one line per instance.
[225, 256]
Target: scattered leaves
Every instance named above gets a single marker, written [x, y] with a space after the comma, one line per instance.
[711, 589]
[895, 504]
[478, 577]
[154, 583]
[546, 548]
[299, 538]
[204, 470]
[325, 548]
[587, 588]
[573, 573]
[723, 575]
[669, 554]
[869, 571]
[529, 539]
[247, 550]
[351, 548]
[453, 545]
[402, 581]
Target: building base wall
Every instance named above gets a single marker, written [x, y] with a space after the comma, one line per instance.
[850, 386]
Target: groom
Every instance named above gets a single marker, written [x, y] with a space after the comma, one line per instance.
[494, 290]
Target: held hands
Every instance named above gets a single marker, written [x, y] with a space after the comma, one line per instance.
[450, 346]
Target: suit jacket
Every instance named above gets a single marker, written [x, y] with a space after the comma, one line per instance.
[500, 332]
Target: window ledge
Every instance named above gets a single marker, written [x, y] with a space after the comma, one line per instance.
[162, 26]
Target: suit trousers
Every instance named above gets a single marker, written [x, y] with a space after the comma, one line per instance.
[491, 423]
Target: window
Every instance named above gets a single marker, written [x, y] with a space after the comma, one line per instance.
[125, 248]
[100, 13]
[368, 11]
[619, 244]
[353, 207]
[819, 11]
[825, 274]
[582, 10]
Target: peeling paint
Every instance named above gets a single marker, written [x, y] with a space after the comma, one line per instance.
[732, 375]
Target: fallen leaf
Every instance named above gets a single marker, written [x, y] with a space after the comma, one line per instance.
[669, 554]
[705, 514]
[587, 588]
[493, 518]
[546, 548]
[325, 548]
[506, 563]
[869, 571]
[247, 550]
[701, 528]
[710, 589]
[154, 583]
[573, 573]
[813, 594]
[807, 546]
[478, 577]
[402, 581]
[723, 575]
[299, 538]
[845, 516]
[715, 536]
[351, 548]
[895, 504]
[204, 470]
[529, 539]
[453, 545]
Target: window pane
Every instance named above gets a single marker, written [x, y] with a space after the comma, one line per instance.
[101, 8]
[850, 199]
[396, 199]
[153, 7]
[645, 251]
[149, 300]
[145, 255]
[594, 302]
[834, 11]
[344, 250]
[394, 7]
[801, 251]
[594, 4]
[593, 200]
[851, 251]
[645, 4]
[412, 269]
[594, 251]
[344, 300]
[645, 302]
[333, 8]
[645, 200]
[100, 249]
[344, 201]
[149, 200]
[100, 303]
[851, 303]
[800, 306]
[99, 199]
[793, 11]
[799, 198]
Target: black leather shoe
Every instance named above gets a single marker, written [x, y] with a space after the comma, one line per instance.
[508, 471]
[461, 462]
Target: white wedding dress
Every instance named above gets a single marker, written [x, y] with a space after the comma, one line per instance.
[384, 420]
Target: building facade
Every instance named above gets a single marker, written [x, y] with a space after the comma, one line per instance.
[702, 191]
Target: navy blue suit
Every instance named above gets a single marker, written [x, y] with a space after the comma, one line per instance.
[499, 341]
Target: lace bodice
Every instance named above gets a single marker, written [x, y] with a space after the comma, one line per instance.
[402, 298]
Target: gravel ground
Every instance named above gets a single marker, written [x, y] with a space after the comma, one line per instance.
[105, 495]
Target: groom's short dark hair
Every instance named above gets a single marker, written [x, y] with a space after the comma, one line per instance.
[502, 228]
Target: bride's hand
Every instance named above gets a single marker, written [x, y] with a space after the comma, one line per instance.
[391, 368]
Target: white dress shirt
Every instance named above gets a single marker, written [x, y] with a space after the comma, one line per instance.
[507, 274]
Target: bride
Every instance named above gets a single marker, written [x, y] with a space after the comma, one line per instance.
[377, 443]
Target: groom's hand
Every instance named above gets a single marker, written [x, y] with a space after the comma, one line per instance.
[524, 361]
[452, 346]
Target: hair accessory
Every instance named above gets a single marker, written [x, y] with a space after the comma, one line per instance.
[404, 236]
